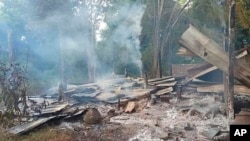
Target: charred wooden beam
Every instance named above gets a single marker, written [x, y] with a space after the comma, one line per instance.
[207, 49]
[230, 95]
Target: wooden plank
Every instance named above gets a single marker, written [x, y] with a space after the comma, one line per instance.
[158, 79]
[207, 49]
[201, 82]
[199, 71]
[170, 84]
[213, 54]
[162, 81]
[164, 91]
[238, 89]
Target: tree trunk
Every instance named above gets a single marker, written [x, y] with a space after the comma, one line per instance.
[157, 67]
[167, 32]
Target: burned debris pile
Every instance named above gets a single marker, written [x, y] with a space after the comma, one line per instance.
[187, 105]
[162, 110]
[196, 44]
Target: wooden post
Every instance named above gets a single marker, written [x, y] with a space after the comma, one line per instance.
[230, 96]
[179, 91]
[145, 80]
[225, 76]
[118, 104]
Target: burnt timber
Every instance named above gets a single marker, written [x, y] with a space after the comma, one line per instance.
[211, 52]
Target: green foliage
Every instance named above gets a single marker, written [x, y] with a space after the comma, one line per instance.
[209, 17]
[47, 23]
[243, 13]
[207, 13]
[242, 22]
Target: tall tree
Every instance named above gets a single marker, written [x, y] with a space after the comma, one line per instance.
[95, 16]
[159, 19]
[13, 81]
[158, 11]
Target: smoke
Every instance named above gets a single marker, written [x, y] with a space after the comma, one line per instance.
[52, 26]
[128, 30]
[63, 29]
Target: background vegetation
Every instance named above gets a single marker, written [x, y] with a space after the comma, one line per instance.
[67, 40]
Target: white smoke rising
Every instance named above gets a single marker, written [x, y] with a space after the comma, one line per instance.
[127, 32]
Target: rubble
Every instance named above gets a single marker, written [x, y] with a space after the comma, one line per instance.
[178, 107]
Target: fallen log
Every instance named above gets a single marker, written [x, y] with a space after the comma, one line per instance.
[238, 89]
[207, 49]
